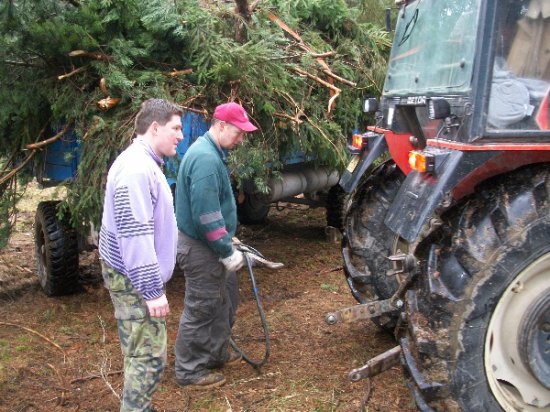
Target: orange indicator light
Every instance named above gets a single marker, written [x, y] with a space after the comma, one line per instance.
[357, 141]
[421, 162]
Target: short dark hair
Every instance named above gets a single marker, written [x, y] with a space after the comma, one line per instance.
[155, 110]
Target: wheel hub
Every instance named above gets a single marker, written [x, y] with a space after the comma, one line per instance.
[517, 343]
[534, 339]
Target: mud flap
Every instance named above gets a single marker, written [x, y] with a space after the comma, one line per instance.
[421, 193]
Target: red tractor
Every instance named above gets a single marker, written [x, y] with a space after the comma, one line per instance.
[447, 231]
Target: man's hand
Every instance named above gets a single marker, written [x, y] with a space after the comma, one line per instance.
[158, 308]
[233, 262]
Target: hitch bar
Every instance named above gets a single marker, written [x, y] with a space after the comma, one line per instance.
[367, 310]
[376, 365]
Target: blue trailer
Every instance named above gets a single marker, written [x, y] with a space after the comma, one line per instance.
[57, 242]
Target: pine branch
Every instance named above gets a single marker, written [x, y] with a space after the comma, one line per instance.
[67, 75]
[90, 55]
[41, 144]
[330, 86]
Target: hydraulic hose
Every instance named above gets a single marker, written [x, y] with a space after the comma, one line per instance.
[255, 291]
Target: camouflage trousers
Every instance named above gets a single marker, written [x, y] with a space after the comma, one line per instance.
[143, 341]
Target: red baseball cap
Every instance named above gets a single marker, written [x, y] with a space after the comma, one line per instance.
[235, 114]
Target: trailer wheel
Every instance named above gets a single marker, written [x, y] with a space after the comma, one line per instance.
[253, 210]
[336, 202]
[367, 242]
[56, 250]
[479, 320]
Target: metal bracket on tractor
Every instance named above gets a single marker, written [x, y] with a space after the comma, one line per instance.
[377, 365]
[364, 311]
[404, 264]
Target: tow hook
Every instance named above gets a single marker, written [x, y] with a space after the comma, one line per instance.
[364, 311]
[376, 365]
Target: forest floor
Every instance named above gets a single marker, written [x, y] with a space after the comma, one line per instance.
[63, 353]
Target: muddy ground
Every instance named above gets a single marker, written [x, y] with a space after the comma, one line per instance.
[62, 354]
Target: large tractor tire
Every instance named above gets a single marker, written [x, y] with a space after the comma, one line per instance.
[367, 241]
[56, 250]
[479, 317]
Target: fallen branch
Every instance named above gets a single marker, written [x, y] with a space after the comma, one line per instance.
[42, 143]
[199, 111]
[103, 87]
[102, 373]
[12, 173]
[8, 162]
[62, 388]
[176, 73]
[75, 71]
[332, 87]
[340, 79]
[24, 64]
[322, 55]
[91, 377]
[317, 79]
[319, 57]
[108, 103]
[37, 334]
[296, 119]
[89, 55]
[335, 269]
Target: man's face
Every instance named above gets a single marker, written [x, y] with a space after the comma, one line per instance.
[231, 136]
[168, 136]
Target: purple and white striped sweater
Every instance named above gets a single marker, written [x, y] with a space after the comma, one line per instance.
[138, 234]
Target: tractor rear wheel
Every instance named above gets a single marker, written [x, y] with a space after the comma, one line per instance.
[479, 318]
[368, 242]
[56, 251]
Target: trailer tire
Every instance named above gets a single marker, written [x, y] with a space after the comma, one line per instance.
[253, 210]
[479, 317]
[368, 241]
[56, 251]
[336, 206]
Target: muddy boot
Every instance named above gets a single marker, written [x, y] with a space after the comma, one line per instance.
[234, 359]
[208, 381]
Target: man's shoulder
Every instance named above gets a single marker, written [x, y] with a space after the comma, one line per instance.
[132, 165]
[201, 151]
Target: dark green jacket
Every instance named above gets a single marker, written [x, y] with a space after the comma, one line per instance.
[205, 205]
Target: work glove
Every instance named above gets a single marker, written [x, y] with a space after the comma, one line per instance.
[233, 262]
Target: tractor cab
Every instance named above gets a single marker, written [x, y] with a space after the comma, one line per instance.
[467, 83]
[470, 72]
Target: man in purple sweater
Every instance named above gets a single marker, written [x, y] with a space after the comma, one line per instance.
[137, 247]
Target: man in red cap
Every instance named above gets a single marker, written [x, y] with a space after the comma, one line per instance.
[206, 215]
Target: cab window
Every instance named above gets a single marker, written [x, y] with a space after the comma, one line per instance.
[521, 73]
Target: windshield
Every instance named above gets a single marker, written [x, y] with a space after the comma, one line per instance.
[433, 48]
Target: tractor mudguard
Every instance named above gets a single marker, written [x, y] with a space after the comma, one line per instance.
[376, 147]
[421, 193]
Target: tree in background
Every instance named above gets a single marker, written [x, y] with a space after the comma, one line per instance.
[300, 67]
